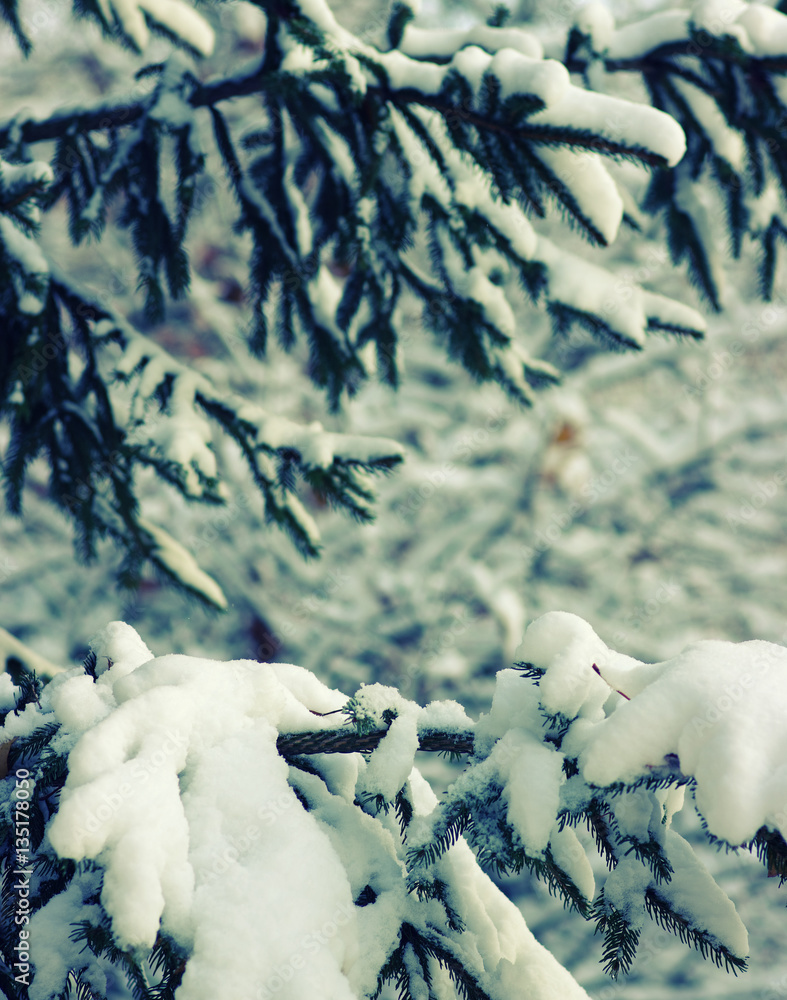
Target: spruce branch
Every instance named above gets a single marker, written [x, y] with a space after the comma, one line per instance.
[347, 741]
[659, 909]
[105, 117]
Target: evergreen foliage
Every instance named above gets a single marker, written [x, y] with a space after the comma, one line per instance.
[419, 167]
[516, 803]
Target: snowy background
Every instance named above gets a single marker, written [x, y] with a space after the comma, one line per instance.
[648, 495]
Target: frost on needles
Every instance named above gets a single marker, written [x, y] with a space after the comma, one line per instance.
[202, 803]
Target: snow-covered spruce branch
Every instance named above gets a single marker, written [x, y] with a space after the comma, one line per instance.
[164, 425]
[104, 117]
[190, 788]
[349, 742]
[509, 114]
[373, 174]
[717, 68]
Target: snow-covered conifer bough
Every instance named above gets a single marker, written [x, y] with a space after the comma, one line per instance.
[204, 802]
[474, 132]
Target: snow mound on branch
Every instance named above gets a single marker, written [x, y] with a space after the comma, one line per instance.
[717, 707]
[758, 29]
[181, 794]
[175, 16]
[119, 646]
[177, 790]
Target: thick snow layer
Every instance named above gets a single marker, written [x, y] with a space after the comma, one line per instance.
[718, 707]
[565, 647]
[546, 79]
[391, 763]
[119, 646]
[571, 857]
[176, 789]
[765, 28]
[589, 289]
[177, 723]
[715, 15]
[693, 892]
[635, 126]
[178, 17]
[512, 962]
[178, 561]
[597, 22]
[532, 774]
[589, 185]
[429, 43]
[671, 314]
[726, 141]
[634, 40]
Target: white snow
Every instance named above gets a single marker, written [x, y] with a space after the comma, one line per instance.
[693, 892]
[625, 887]
[566, 648]
[118, 646]
[649, 33]
[765, 28]
[18, 177]
[587, 288]
[571, 857]
[695, 199]
[635, 126]
[726, 141]
[532, 774]
[444, 42]
[178, 792]
[27, 254]
[391, 763]
[425, 175]
[671, 313]
[546, 79]
[718, 707]
[180, 18]
[718, 18]
[597, 22]
[182, 564]
[763, 207]
[589, 184]
[50, 939]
